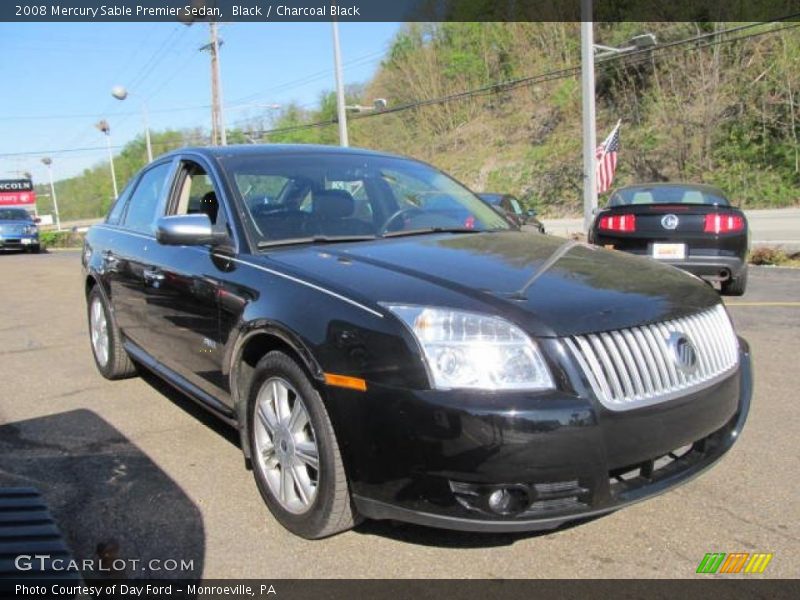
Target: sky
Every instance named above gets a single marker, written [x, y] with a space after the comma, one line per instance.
[56, 80]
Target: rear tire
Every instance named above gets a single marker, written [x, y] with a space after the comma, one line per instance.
[735, 286]
[110, 357]
[296, 460]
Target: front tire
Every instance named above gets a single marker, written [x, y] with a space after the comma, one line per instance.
[735, 286]
[110, 357]
[295, 456]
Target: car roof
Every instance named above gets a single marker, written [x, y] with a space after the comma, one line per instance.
[701, 187]
[275, 149]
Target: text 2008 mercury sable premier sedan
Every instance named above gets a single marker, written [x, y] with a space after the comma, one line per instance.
[389, 347]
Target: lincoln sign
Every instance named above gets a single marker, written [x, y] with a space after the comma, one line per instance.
[17, 192]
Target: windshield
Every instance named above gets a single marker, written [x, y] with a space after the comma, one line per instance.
[14, 214]
[323, 196]
[667, 194]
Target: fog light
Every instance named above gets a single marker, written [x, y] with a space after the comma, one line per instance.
[507, 501]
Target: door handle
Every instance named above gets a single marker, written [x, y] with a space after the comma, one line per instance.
[152, 275]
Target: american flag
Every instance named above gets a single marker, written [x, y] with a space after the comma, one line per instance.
[607, 160]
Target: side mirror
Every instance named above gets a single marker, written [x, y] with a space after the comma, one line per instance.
[531, 212]
[187, 230]
[37, 220]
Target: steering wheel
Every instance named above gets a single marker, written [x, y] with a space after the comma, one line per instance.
[403, 211]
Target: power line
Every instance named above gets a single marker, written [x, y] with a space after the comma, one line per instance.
[627, 59]
[360, 61]
[282, 87]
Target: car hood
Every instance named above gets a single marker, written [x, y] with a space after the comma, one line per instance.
[548, 285]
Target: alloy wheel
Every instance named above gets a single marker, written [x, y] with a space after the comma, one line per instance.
[98, 327]
[286, 445]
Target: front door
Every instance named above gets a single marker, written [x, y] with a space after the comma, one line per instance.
[185, 310]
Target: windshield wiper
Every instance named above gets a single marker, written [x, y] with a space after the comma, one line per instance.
[424, 230]
[317, 239]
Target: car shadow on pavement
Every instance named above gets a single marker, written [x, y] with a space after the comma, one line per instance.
[445, 538]
[191, 407]
[110, 500]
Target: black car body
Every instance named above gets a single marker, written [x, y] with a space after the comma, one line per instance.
[18, 230]
[690, 226]
[448, 371]
[512, 209]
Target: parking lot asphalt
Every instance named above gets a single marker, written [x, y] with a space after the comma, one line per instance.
[134, 470]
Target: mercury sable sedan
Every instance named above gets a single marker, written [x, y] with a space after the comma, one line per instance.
[389, 347]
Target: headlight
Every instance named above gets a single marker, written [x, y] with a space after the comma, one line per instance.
[30, 230]
[472, 350]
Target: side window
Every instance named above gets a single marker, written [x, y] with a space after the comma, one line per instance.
[144, 202]
[115, 214]
[197, 194]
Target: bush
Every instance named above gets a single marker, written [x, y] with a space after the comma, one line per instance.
[61, 239]
[770, 256]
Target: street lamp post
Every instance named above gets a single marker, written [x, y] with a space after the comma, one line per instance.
[49, 163]
[105, 128]
[120, 93]
[341, 111]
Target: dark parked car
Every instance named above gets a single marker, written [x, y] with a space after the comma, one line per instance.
[18, 230]
[690, 226]
[512, 209]
[388, 359]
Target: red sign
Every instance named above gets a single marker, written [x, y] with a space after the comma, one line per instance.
[17, 198]
[17, 192]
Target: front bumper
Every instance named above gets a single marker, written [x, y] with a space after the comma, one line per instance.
[18, 241]
[433, 458]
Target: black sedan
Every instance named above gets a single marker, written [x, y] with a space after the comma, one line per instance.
[389, 347]
[510, 207]
[690, 226]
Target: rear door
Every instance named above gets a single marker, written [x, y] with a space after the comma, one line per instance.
[128, 260]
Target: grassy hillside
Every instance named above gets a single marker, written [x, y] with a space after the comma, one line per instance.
[721, 109]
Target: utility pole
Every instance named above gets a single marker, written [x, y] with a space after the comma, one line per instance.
[218, 135]
[341, 110]
[588, 101]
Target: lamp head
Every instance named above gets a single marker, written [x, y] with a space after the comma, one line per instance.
[119, 92]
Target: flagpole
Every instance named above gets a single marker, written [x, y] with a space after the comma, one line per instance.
[588, 101]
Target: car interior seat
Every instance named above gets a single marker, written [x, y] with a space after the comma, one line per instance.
[333, 213]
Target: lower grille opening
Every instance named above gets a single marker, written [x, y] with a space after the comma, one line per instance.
[631, 476]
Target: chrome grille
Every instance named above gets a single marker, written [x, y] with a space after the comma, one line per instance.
[629, 368]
